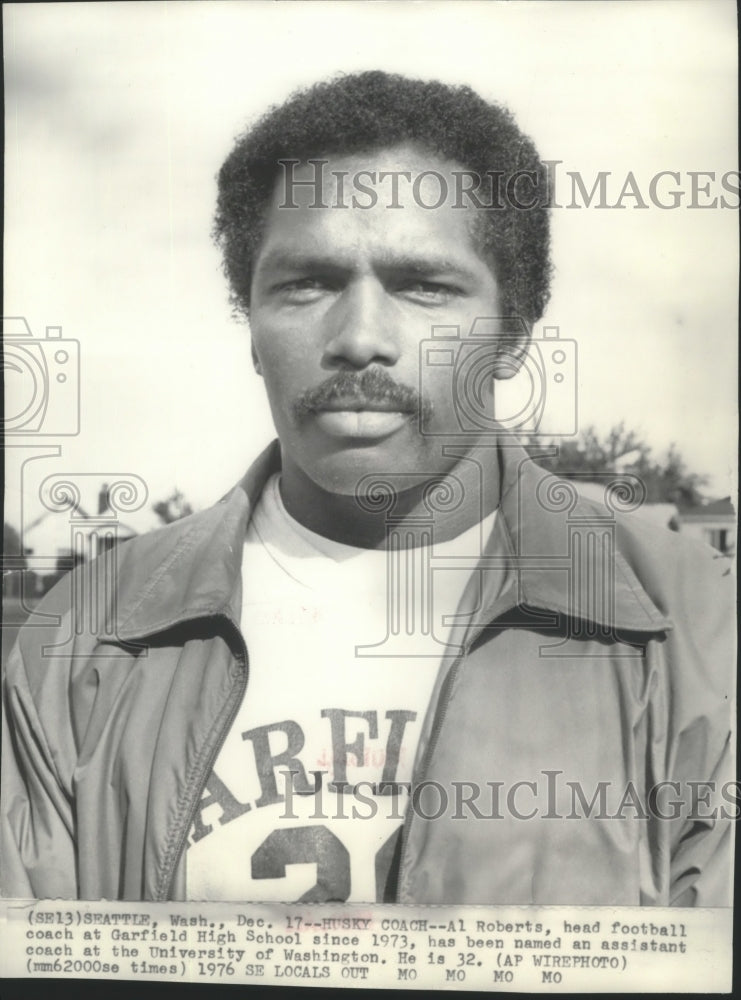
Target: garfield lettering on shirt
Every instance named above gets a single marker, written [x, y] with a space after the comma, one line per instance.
[308, 794]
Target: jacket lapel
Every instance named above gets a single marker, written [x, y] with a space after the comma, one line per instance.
[190, 569]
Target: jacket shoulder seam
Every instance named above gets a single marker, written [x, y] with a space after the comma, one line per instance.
[182, 546]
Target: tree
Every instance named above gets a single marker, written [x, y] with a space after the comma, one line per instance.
[666, 480]
[172, 508]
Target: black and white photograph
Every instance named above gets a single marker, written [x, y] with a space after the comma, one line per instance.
[370, 491]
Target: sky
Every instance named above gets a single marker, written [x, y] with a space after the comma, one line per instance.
[119, 115]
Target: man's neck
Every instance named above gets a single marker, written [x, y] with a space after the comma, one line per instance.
[451, 502]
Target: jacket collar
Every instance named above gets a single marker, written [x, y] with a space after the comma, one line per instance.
[564, 549]
[191, 568]
[553, 542]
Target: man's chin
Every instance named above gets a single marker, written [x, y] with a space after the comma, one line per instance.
[363, 465]
[350, 471]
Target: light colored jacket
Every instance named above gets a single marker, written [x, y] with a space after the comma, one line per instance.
[597, 652]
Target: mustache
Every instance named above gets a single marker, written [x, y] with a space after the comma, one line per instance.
[373, 385]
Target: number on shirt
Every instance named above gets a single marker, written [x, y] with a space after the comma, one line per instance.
[318, 845]
[305, 845]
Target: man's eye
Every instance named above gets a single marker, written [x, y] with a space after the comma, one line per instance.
[432, 291]
[302, 289]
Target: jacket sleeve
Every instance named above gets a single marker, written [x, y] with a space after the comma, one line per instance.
[37, 850]
[701, 747]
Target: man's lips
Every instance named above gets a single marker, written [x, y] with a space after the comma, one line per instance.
[367, 421]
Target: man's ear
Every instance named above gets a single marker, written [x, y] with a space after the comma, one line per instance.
[255, 361]
[511, 351]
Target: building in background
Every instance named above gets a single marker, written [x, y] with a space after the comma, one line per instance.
[713, 523]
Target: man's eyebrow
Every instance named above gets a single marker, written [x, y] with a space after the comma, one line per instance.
[286, 260]
[425, 265]
[407, 263]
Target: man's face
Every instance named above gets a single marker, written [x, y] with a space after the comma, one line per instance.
[342, 299]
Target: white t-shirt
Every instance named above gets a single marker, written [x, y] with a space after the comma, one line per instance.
[345, 645]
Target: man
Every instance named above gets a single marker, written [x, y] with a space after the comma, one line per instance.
[398, 661]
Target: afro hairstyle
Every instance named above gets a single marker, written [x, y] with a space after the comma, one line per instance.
[362, 112]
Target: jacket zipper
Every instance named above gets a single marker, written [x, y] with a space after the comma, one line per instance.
[236, 696]
[437, 724]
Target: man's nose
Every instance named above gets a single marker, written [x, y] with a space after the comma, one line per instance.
[362, 328]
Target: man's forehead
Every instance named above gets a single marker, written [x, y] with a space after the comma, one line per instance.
[327, 239]
[395, 177]
[383, 203]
